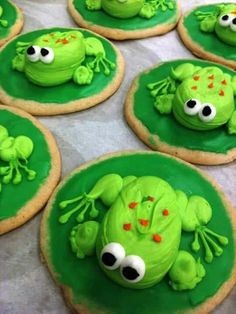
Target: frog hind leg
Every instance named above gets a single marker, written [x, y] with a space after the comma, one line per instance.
[93, 5]
[231, 125]
[83, 238]
[83, 75]
[186, 272]
[183, 71]
[195, 216]
[150, 9]
[106, 189]
[94, 48]
[18, 62]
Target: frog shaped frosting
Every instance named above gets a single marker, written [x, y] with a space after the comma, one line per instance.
[56, 58]
[199, 98]
[3, 23]
[138, 241]
[15, 152]
[124, 9]
[222, 22]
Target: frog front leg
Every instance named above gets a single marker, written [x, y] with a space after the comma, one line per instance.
[106, 189]
[231, 125]
[195, 214]
[186, 272]
[93, 5]
[150, 9]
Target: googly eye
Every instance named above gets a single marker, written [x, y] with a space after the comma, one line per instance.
[233, 25]
[225, 20]
[132, 268]
[112, 255]
[207, 112]
[192, 107]
[46, 55]
[33, 53]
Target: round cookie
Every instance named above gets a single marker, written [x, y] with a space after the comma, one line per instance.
[186, 108]
[30, 167]
[209, 31]
[59, 70]
[68, 248]
[129, 19]
[11, 21]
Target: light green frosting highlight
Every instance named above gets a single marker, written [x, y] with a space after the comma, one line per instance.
[145, 216]
[15, 152]
[3, 22]
[209, 86]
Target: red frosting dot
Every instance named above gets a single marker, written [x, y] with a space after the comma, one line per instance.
[212, 77]
[196, 78]
[211, 85]
[194, 87]
[133, 205]
[151, 199]
[143, 222]
[127, 227]
[46, 41]
[221, 93]
[157, 238]
[224, 82]
[165, 212]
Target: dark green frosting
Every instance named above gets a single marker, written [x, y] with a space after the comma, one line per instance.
[9, 14]
[208, 41]
[90, 285]
[166, 126]
[102, 19]
[20, 87]
[14, 197]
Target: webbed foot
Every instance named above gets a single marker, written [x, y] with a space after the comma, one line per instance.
[83, 75]
[4, 23]
[93, 5]
[147, 11]
[164, 103]
[186, 272]
[83, 238]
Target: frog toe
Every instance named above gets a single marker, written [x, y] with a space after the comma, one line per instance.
[83, 76]
[186, 272]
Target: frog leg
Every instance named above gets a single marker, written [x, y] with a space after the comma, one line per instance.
[183, 71]
[3, 23]
[186, 272]
[18, 62]
[195, 214]
[94, 48]
[83, 238]
[83, 75]
[150, 9]
[231, 125]
[106, 189]
[93, 5]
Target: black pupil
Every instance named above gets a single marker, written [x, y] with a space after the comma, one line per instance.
[31, 51]
[225, 18]
[234, 21]
[108, 259]
[191, 103]
[130, 273]
[44, 52]
[206, 111]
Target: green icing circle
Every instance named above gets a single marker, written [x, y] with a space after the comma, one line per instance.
[9, 14]
[101, 18]
[14, 197]
[89, 284]
[20, 87]
[166, 127]
[208, 41]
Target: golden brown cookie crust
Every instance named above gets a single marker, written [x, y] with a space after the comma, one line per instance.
[33, 206]
[205, 308]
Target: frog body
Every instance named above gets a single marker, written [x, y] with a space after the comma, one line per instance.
[138, 241]
[3, 22]
[124, 9]
[199, 98]
[56, 58]
[222, 22]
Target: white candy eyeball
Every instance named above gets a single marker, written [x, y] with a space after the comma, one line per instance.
[132, 268]
[207, 112]
[33, 53]
[233, 25]
[192, 107]
[112, 255]
[46, 55]
[225, 20]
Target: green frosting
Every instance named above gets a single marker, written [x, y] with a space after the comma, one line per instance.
[21, 87]
[123, 9]
[84, 276]
[17, 153]
[207, 41]
[168, 129]
[57, 57]
[8, 17]
[203, 100]
[222, 21]
[168, 13]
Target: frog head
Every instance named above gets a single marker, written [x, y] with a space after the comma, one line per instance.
[51, 59]
[222, 22]
[205, 99]
[122, 8]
